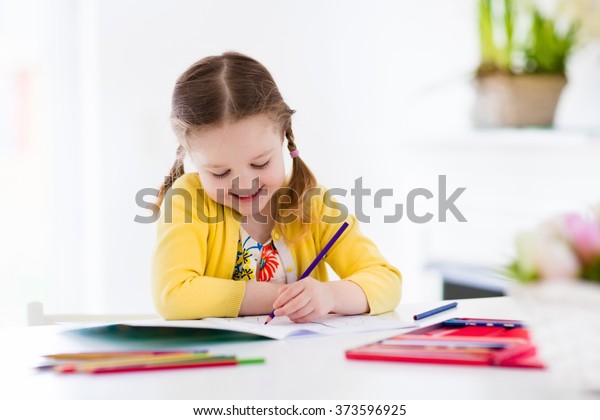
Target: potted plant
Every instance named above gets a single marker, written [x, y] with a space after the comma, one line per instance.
[524, 52]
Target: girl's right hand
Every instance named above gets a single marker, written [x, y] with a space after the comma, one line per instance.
[305, 301]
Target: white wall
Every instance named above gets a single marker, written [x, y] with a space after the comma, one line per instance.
[381, 89]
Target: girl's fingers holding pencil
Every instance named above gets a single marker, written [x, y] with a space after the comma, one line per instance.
[314, 300]
[311, 316]
[287, 293]
[296, 305]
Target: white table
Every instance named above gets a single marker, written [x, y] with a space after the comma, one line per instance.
[302, 368]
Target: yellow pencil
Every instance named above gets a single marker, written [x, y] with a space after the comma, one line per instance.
[114, 354]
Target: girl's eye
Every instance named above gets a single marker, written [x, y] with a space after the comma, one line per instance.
[264, 165]
[223, 175]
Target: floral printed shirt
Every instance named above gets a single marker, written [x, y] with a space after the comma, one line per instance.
[258, 262]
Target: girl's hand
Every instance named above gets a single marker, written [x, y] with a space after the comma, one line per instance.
[305, 300]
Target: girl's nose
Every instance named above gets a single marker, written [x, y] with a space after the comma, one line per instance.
[245, 185]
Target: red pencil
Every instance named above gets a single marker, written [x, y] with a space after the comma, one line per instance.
[143, 368]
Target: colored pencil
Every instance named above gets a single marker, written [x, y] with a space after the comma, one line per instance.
[185, 365]
[479, 322]
[316, 261]
[114, 354]
[455, 343]
[129, 361]
[166, 366]
[435, 311]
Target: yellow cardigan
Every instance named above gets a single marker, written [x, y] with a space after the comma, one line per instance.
[196, 252]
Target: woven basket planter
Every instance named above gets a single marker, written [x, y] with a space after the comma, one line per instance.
[504, 100]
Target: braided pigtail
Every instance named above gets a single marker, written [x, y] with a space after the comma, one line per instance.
[296, 204]
[176, 172]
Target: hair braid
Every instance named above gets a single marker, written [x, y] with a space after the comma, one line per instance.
[175, 172]
[301, 180]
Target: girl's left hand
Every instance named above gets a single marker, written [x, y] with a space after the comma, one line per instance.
[304, 301]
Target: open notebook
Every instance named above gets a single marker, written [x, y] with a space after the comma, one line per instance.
[281, 327]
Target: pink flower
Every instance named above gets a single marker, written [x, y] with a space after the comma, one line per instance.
[584, 235]
[565, 247]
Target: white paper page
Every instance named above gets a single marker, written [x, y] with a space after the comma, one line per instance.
[281, 327]
[364, 323]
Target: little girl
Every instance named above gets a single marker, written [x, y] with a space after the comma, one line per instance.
[234, 237]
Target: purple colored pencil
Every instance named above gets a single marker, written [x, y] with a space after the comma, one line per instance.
[316, 261]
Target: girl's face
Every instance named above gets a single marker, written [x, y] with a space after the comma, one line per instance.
[240, 164]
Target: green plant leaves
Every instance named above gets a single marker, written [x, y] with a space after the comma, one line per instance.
[544, 46]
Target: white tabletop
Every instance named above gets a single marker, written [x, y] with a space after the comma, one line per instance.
[301, 368]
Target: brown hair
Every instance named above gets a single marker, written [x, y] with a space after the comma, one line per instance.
[230, 87]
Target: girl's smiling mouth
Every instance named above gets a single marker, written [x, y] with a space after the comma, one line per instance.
[246, 198]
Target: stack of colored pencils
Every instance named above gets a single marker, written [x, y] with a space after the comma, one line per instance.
[137, 361]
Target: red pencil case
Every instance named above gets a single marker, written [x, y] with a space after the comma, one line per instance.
[471, 345]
